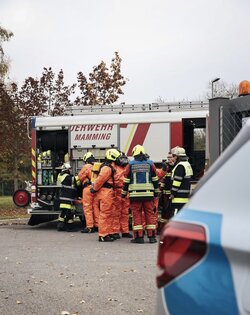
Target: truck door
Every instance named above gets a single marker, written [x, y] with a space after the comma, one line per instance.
[194, 142]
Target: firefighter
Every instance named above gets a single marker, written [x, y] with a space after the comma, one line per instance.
[90, 207]
[141, 182]
[104, 188]
[160, 172]
[67, 197]
[180, 179]
[121, 215]
[165, 187]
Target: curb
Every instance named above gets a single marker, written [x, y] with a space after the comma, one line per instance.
[14, 221]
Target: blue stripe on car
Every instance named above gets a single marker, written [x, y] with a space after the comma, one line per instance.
[209, 284]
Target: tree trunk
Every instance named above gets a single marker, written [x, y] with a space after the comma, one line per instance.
[15, 173]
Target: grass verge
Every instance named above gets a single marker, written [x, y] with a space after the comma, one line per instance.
[8, 210]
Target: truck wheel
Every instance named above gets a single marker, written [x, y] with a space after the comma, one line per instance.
[21, 198]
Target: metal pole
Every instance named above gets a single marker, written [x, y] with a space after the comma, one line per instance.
[213, 81]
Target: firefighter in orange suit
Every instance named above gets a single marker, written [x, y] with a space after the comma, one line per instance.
[120, 222]
[160, 172]
[104, 188]
[90, 205]
[142, 184]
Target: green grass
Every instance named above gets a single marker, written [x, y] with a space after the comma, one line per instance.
[9, 210]
[6, 202]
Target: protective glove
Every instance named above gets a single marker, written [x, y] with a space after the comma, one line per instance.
[171, 197]
[93, 191]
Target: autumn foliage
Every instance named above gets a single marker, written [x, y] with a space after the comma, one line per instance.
[48, 95]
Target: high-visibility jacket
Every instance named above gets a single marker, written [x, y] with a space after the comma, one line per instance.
[166, 182]
[140, 180]
[181, 182]
[67, 191]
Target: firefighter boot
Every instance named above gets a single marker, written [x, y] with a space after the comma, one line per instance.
[61, 226]
[116, 236]
[137, 240]
[152, 238]
[106, 238]
[88, 230]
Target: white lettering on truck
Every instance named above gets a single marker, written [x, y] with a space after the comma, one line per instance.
[92, 127]
[94, 136]
[98, 135]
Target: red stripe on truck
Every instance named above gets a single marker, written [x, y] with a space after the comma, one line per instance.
[176, 132]
[139, 136]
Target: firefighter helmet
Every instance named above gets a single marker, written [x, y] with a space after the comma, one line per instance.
[66, 167]
[178, 151]
[87, 156]
[112, 154]
[138, 149]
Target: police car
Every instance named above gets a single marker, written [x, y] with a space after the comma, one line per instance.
[204, 251]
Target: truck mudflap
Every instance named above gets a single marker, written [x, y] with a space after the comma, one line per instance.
[42, 215]
[36, 219]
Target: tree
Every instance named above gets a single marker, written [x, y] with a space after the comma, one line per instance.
[5, 36]
[35, 97]
[223, 89]
[47, 95]
[104, 85]
[14, 147]
[51, 95]
[56, 94]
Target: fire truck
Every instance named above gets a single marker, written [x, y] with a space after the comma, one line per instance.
[158, 127]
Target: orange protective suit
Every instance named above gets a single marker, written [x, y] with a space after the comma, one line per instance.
[143, 210]
[89, 201]
[160, 173]
[141, 181]
[120, 216]
[105, 194]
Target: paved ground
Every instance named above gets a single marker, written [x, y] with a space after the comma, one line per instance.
[43, 271]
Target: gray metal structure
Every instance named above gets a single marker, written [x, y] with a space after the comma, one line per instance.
[226, 118]
[136, 108]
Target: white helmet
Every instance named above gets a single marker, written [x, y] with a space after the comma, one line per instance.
[66, 166]
[178, 151]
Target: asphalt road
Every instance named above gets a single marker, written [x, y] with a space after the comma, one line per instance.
[43, 271]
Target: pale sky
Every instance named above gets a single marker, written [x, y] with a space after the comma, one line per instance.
[169, 49]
